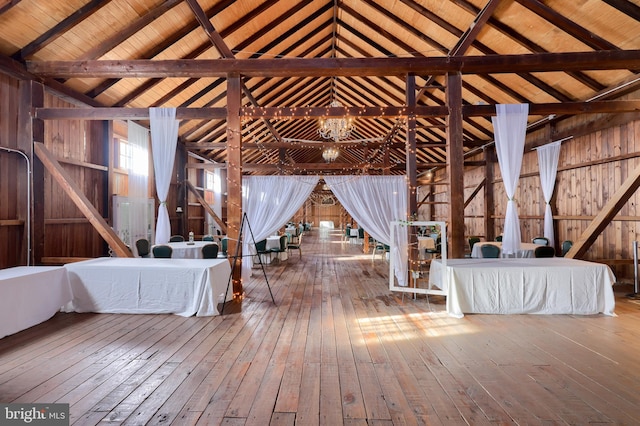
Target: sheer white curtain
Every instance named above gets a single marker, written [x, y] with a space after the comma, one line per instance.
[138, 182]
[374, 202]
[548, 163]
[269, 202]
[164, 138]
[510, 127]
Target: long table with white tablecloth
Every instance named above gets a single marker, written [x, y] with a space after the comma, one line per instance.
[30, 295]
[524, 286]
[143, 286]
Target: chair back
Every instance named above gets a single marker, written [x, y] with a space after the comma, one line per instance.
[499, 238]
[142, 245]
[207, 237]
[541, 240]
[162, 251]
[490, 251]
[361, 233]
[283, 243]
[544, 251]
[224, 243]
[566, 246]
[261, 246]
[473, 241]
[176, 239]
[210, 251]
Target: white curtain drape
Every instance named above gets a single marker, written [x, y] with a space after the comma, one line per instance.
[269, 202]
[548, 163]
[138, 182]
[164, 138]
[374, 202]
[510, 127]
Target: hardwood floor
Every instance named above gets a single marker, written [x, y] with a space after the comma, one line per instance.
[337, 348]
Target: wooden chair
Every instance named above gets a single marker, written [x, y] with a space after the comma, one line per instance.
[143, 247]
[176, 239]
[541, 240]
[162, 252]
[544, 251]
[490, 251]
[210, 251]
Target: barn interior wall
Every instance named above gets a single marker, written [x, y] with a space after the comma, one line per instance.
[591, 167]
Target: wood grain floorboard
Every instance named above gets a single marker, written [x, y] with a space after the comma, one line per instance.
[337, 347]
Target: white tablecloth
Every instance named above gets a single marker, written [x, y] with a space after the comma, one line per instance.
[526, 249]
[525, 286]
[30, 295]
[327, 224]
[184, 250]
[143, 286]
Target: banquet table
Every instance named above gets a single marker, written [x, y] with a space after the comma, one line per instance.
[526, 249]
[30, 295]
[147, 286]
[184, 250]
[273, 242]
[524, 286]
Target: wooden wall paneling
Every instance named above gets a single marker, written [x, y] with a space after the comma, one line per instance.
[74, 191]
[12, 167]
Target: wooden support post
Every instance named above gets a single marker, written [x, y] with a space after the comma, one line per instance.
[32, 130]
[234, 176]
[412, 174]
[489, 203]
[455, 166]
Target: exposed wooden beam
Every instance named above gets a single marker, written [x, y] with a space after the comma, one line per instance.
[123, 113]
[207, 207]
[602, 219]
[475, 192]
[288, 67]
[81, 201]
[466, 40]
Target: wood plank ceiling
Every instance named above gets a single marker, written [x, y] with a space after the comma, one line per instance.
[34, 32]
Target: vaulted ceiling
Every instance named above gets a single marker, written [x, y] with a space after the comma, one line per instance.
[87, 34]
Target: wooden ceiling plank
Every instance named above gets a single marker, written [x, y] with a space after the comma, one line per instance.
[8, 5]
[568, 26]
[59, 29]
[625, 6]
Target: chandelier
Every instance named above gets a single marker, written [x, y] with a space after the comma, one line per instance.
[336, 128]
[330, 155]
